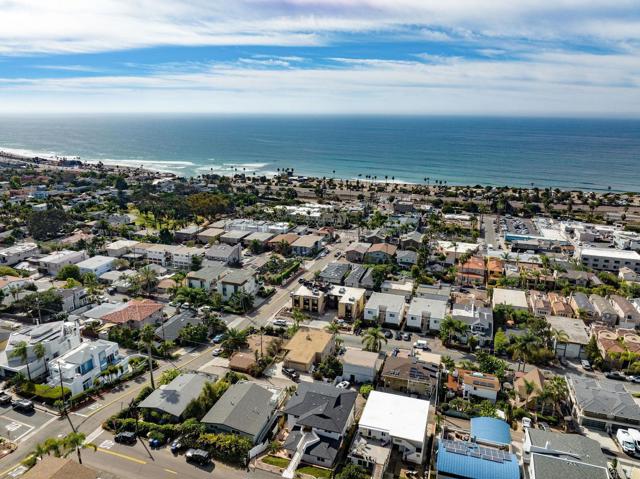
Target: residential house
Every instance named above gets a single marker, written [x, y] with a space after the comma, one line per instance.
[11, 286]
[403, 427]
[335, 273]
[172, 399]
[354, 277]
[628, 314]
[410, 375]
[54, 262]
[237, 280]
[183, 256]
[261, 237]
[472, 383]
[136, 314]
[491, 431]
[472, 272]
[308, 347]
[514, 298]
[119, 248]
[245, 360]
[385, 308]
[73, 298]
[582, 306]
[188, 233]
[227, 254]
[380, 253]
[411, 240]
[234, 237]
[525, 397]
[355, 252]
[434, 291]
[170, 329]
[207, 277]
[16, 253]
[97, 265]
[478, 318]
[318, 417]
[360, 366]
[287, 239]
[406, 258]
[401, 288]
[457, 459]
[575, 340]
[245, 409]
[495, 269]
[540, 304]
[307, 245]
[560, 306]
[426, 313]
[613, 344]
[547, 454]
[627, 274]
[604, 310]
[57, 337]
[51, 467]
[210, 235]
[602, 404]
[82, 365]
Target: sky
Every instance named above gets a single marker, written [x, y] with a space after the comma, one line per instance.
[466, 57]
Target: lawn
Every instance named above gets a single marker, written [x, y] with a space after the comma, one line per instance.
[315, 471]
[276, 461]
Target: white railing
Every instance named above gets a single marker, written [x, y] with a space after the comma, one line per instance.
[307, 439]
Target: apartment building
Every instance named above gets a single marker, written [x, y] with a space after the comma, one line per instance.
[609, 259]
[14, 254]
[385, 308]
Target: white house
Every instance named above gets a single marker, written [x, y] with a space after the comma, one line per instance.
[54, 262]
[121, 247]
[14, 254]
[360, 366]
[57, 338]
[83, 364]
[391, 421]
[96, 264]
[237, 280]
[228, 254]
[426, 313]
[182, 256]
[385, 308]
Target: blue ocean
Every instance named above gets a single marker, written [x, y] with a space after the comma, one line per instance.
[586, 154]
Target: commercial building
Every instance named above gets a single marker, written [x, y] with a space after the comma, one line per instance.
[609, 259]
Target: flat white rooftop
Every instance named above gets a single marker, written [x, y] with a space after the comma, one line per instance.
[611, 253]
[402, 417]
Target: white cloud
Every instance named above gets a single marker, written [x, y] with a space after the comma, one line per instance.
[37, 26]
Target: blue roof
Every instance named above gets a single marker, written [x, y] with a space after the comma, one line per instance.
[490, 430]
[469, 460]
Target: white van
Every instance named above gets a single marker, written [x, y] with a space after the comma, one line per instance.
[626, 442]
[421, 344]
[635, 435]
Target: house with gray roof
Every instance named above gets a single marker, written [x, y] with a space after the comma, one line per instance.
[246, 409]
[318, 418]
[570, 456]
[170, 330]
[335, 273]
[602, 404]
[173, 398]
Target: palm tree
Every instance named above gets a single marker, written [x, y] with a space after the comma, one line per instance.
[234, 339]
[148, 279]
[242, 300]
[147, 336]
[39, 350]
[373, 338]
[75, 441]
[524, 348]
[21, 351]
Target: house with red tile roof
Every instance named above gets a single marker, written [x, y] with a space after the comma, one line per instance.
[136, 314]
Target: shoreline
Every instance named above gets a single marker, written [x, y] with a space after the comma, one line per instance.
[76, 162]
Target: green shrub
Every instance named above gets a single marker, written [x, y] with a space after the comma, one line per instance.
[365, 389]
[229, 448]
[43, 392]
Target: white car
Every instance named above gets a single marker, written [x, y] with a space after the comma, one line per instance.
[216, 352]
[280, 322]
[343, 385]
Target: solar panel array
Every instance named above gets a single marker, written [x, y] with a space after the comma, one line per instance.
[473, 450]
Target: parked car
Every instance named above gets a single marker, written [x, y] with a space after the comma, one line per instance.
[126, 437]
[421, 344]
[586, 365]
[198, 456]
[155, 443]
[218, 338]
[177, 445]
[616, 375]
[5, 399]
[406, 336]
[387, 333]
[398, 335]
[343, 385]
[634, 379]
[291, 373]
[23, 405]
[280, 322]
[216, 352]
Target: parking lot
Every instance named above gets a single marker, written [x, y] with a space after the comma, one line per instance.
[520, 226]
[15, 426]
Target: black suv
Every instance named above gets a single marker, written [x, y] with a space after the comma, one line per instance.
[291, 373]
[198, 456]
[23, 405]
[126, 437]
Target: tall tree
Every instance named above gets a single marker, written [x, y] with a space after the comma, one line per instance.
[147, 336]
[21, 351]
[373, 338]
